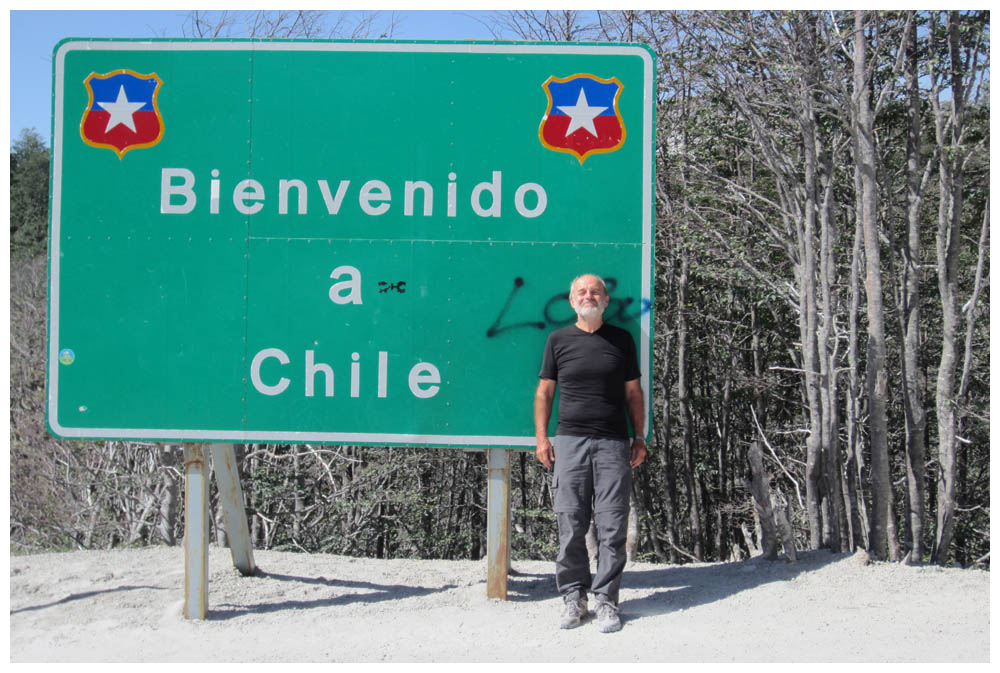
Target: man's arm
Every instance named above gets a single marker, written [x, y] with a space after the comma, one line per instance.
[637, 414]
[543, 411]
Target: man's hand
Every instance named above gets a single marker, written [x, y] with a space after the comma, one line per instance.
[636, 414]
[638, 451]
[546, 456]
[543, 410]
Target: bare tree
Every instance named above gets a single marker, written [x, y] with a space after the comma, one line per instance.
[967, 61]
[877, 375]
[288, 24]
[567, 25]
[917, 177]
[626, 25]
[797, 151]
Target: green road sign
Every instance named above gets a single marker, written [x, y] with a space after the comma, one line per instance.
[345, 242]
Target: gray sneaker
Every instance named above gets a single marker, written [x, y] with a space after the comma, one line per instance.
[607, 617]
[574, 610]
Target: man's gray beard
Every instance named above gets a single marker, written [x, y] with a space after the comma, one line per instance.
[590, 312]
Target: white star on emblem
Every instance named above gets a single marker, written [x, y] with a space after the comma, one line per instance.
[121, 111]
[581, 115]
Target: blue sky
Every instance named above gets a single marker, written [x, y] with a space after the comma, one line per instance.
[33, 34]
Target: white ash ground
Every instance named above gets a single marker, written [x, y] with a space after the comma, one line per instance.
[126, 606]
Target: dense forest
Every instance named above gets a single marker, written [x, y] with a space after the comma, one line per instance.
[821, 317]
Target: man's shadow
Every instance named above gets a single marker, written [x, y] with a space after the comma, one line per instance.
[684, 586]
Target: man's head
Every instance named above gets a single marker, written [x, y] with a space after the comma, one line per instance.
[588, 295]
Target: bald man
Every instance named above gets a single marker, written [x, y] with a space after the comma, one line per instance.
[596, 369]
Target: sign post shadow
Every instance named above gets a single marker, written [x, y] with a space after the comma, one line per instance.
[223, 463]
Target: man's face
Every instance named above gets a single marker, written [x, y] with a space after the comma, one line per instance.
[588, 297]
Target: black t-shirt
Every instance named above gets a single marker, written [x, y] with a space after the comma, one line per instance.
[591, 371]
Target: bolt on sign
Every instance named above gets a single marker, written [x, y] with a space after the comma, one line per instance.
[342, 242]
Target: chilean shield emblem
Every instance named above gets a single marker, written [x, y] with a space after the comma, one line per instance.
[122, 114]
[582, 117]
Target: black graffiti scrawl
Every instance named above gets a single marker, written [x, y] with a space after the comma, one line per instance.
[617, 311]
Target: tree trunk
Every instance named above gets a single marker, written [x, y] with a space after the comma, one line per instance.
[683, 401]
[855, 491]
[256, 535]
[170, 492]
[669, 477]
[760, 487]
[864, 140]
[477, 507]
[665, 457]
[297, 502]
[828, 347]
[722, 463]
[913, 402]
[525, 519]
[808, 326]
[948, 238]
[632, 534]
[645, 511]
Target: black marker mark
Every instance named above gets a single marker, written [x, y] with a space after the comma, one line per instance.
[495, 329]
[617, 310]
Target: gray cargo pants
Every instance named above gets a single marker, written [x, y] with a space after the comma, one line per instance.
[592, 475]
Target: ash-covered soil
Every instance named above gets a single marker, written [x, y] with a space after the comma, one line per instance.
[126, 606]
